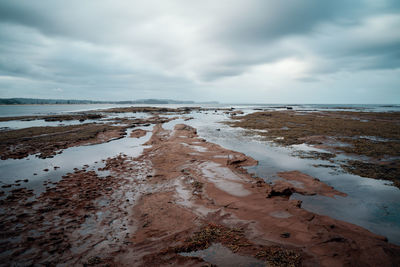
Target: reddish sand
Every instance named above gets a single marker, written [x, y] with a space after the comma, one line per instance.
[150, 208]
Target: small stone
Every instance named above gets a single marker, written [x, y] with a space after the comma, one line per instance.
[285, 235]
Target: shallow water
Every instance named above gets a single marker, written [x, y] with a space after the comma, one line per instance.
[223, 178]
[223, 257]
[17, 124]
[24, 110]
[70, 158]
[29, 110]
[370, 203]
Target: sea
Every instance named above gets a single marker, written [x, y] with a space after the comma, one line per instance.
[25, 110]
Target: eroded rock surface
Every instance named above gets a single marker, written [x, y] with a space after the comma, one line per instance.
[182, 194]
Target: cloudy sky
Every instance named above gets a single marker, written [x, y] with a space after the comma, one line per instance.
[238, 51]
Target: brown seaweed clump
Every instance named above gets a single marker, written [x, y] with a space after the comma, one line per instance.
[235, 240]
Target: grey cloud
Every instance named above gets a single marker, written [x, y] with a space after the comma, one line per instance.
[183, 48]
[268, 20]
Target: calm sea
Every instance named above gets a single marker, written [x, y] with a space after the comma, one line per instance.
[25, 110]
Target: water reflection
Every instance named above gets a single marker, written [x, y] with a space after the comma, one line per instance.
[370, 203]
[32, 167]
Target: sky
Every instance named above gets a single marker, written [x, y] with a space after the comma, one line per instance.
[231, 51]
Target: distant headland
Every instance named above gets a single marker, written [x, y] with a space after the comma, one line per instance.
[38, 101]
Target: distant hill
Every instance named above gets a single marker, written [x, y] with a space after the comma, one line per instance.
[37, 101]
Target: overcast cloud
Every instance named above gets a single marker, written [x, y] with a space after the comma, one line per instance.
[308, 51]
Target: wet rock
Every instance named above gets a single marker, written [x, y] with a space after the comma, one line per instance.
[285, 235]
[280, 188]
[260, 183]
[296, 203]
[237, 160]
[338, 239]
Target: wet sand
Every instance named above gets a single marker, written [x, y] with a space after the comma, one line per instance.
[182, 194]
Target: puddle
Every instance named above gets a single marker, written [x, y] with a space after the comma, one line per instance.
[297, 184]
[308, 148]
[281, 214]
[196, 148]
[135, 115]
[374, 138]
[21, 124]
[221, 256]
[70, 158]
[184, 199]
[223, 178]
[18, 124]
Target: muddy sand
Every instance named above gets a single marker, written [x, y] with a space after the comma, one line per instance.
[181, 195]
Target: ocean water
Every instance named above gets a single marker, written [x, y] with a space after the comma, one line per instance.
[372, 204]
[26, 110]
